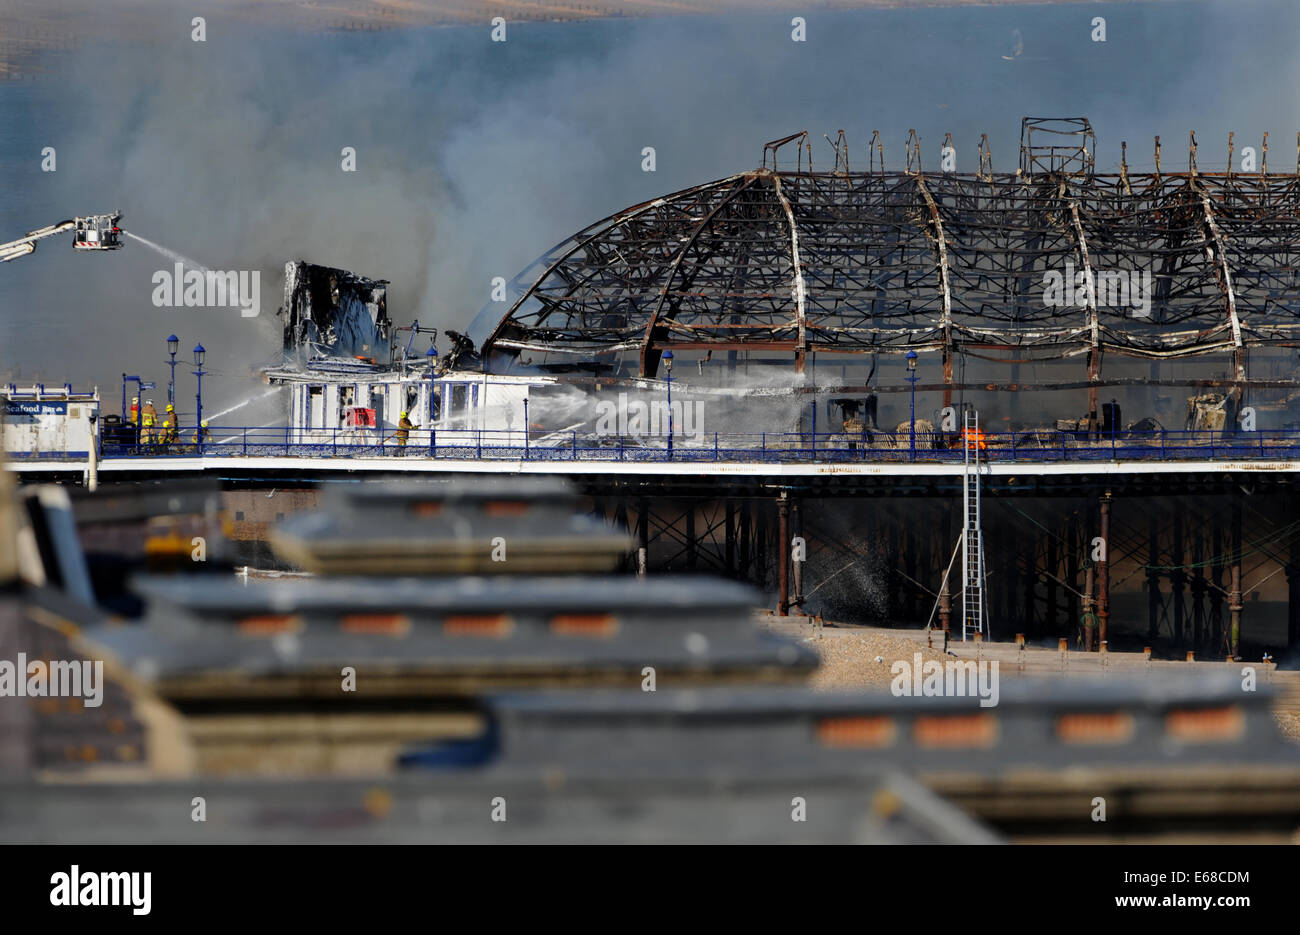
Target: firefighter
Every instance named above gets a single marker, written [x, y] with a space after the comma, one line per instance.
[135, 415]
[404, 427]
[201, 434]
[170, 431]
[150, 421]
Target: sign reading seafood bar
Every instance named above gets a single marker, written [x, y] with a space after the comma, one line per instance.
[17, 408]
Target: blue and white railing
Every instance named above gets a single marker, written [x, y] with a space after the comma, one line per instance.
[515, 445]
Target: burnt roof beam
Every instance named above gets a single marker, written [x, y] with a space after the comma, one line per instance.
[939, 244]
[1217, 253]
[1090, 295]
[797, 286]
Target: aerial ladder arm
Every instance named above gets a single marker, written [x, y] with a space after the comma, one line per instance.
[25, 245]
[93, 232]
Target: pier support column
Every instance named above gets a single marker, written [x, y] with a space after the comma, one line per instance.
[894, 558]
[621, 521]
[642, 535]
[730, 557]
[1177, 577]
[692, 545]
[1103, 571]
[941, 553]
[797, 558]
[909, 567]
[745, 524]
[1234, 584]
[1053, 573]
[1293, 601]
[1030, 581]
[1218, 546]
[945, 576]
[1089, 618]
[1293, 591]
[1198, 587]
[1153, 575]
[1070, 556]
[783, 556]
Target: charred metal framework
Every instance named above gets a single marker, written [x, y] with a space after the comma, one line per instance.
[791, 261]
[1057, 145]
[334, 312]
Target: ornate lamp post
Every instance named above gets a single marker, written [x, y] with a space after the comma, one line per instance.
[173, 345]
[668, 362]
[199, 353]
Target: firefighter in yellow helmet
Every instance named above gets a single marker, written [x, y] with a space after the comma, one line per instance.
[404, 427]
[150, 423]
[170, 430]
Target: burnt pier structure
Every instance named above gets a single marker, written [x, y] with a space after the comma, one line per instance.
[1129, 340]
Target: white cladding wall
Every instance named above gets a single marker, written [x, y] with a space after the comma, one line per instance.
[42, 425]
[450, 407]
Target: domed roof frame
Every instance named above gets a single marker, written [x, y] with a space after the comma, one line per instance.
[803, 262]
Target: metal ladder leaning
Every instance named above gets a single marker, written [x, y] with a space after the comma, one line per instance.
[972, 553]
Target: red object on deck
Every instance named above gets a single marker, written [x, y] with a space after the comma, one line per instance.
[359, 417]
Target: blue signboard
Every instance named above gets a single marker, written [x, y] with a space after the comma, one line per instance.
[17, 407]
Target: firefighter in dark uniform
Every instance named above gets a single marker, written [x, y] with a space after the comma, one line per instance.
[404, 427]
[171, 431]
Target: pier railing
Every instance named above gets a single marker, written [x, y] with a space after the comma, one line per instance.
[775, 447]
